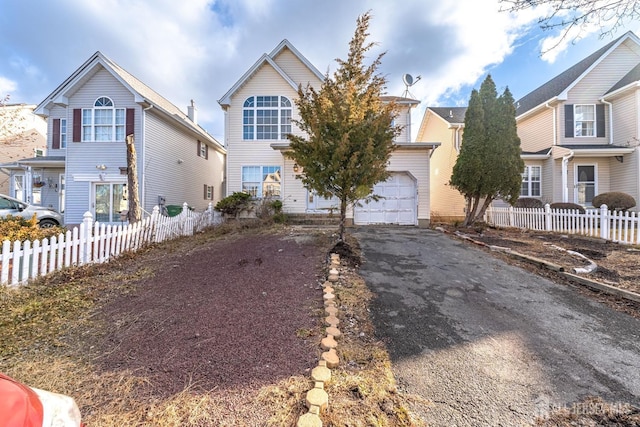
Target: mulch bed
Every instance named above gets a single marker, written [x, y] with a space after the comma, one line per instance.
[223, 316]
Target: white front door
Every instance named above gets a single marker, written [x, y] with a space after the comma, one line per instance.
[317, 204]
[585, 184]
[109, 199]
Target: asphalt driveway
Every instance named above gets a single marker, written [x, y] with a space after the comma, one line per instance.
[488, 343]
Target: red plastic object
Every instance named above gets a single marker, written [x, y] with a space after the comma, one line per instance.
[19, 405]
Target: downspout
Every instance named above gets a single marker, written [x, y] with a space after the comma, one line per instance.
[144, 154]
[610, 120]
[457, 138]
[565, 184]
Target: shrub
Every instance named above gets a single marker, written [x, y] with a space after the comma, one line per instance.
[14, 228]
[234, 204]
[276, 205]
[529, 202]
[614, 200]
[570, 206]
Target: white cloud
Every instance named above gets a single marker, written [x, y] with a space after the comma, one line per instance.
[7, 87]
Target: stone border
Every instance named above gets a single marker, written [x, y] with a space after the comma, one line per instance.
[608, 289]
[317, 399]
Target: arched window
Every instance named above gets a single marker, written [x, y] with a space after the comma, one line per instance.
[266, 117]
[103, 122]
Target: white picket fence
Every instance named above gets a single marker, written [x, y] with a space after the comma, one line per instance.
[93, 242]
[619, 227]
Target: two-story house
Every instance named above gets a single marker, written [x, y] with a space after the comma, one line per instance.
[89, 117]
[259, 109]
[22, 135]
[578, 133]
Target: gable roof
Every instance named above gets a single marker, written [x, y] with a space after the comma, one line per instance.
[270, 60]
[143, 94]
[452, 115]
[631, 77]
[568, 78]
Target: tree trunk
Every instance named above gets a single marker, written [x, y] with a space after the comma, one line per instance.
[485, 205]
[472, 207]
[135, 213]
[343, 219]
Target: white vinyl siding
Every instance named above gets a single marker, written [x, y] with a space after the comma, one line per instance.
[536, 132]
[292, 66]
[173, 169]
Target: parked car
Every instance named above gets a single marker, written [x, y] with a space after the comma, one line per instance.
[46, 217]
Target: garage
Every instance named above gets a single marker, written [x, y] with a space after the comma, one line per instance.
[397, 205]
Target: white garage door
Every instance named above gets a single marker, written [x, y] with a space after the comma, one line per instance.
[397, 204]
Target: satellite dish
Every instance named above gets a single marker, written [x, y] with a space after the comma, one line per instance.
[407, 79]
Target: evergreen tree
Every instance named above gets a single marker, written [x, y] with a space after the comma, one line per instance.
[349, 132]
[489, 165]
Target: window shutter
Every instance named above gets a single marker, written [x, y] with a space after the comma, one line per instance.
[198, 148]
[568, 121]
[130, 126]
[77, 125]
[55, 138]
[600, 121]
[205, 191]
[206, 152]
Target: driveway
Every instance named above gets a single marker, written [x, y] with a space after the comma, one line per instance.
[486, 342]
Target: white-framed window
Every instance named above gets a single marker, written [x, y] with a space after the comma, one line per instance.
[103, 122]
[261, 181]
[208, 192]
[63, 133]
[266, 117]
[531, 182]
[584, 119]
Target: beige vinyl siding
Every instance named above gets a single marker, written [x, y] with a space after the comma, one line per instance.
[174, 169]
[590, 89]
[295, 69]
[626, 118]
[446, 202]
[624, 176]
[548, 182]
[82, 157]
[536, 132]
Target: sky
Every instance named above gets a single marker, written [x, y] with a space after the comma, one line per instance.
[197, 49]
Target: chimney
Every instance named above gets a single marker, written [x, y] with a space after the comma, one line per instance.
[192, 112]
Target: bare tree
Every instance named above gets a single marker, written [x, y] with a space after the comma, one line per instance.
[569, 15]
[13, 124]
[134, 214]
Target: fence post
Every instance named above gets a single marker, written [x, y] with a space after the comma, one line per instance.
[210, 213]
[85, 240]
[511, 220]
[604, 222]
[547, 217]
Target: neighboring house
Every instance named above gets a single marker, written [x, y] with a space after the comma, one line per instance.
[444, 124]
[259, 109]
[578, 133]
[85, 169]
[24, 137]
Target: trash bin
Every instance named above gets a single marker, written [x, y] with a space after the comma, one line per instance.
[173, 210]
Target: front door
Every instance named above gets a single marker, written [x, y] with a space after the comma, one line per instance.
[109, 199]
[585, 184]
[317, 204]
